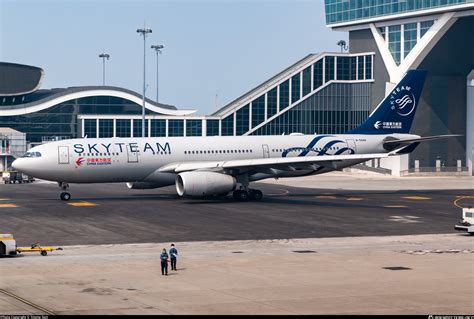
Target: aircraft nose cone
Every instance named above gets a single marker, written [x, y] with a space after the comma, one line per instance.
[18, 164]
[15, 164]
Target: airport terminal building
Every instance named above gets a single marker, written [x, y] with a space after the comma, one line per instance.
[434, 35]
[326, 93]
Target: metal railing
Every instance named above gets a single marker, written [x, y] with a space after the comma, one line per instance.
[455, 170]
[46, 139]
[380, 170]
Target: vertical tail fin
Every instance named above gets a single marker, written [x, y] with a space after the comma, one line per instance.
[396, 111]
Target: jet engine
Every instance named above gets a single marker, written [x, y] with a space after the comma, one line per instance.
[143, 185]
[204, 183]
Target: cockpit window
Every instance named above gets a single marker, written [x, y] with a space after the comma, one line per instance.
[32, 154]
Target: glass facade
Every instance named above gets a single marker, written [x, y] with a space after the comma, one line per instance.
[394, 42]
[175, 127]
[242, 120]
[123, 128]
[335, 109]
[360, 68]
[409, 39]
[382, 32]
[306, 81]
[193, 127]
[212, 127]
[227, 125]
[284, 94]
[137, 128]
[106, 128]
[295, 88]
[61, 120]
[329, 68]
[346, 68]
[318, 74]
[298, 87]
[338, 11]
[258, 110]
[272, 102]
[90, 128]
[368, 66]
[158, 128]
[425, 26]
[402, 38]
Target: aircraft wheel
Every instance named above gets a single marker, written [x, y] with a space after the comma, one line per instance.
[65, 196]
[255, 194]
[241, 195]
[44, 253]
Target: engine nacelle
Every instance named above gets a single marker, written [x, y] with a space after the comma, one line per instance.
[203, 183]
[143, 185]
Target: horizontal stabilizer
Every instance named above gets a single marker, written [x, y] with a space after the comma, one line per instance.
[391, 144]
[416, 140]
[398, 146]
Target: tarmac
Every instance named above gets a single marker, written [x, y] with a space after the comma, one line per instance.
[424, 274]
[337, 243]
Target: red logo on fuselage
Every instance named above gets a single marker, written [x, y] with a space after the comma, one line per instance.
[79, 161]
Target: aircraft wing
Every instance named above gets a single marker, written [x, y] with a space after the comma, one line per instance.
[284, 163]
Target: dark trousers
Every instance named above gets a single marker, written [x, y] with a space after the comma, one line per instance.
[173, 263]
[164, 267]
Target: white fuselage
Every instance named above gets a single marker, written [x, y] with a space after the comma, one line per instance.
[99, 160]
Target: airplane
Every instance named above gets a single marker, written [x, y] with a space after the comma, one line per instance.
[217, 165]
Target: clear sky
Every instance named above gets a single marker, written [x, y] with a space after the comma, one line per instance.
[218, 47]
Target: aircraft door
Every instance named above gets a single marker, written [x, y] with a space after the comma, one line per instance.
[63, 154]
[266, 151]
[351, 145]
[132, 156]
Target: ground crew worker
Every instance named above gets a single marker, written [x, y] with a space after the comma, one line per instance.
[174, 255]
[164, 262]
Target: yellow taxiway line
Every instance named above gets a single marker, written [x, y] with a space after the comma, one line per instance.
[82, 204]
[8, 206]
[416, 197]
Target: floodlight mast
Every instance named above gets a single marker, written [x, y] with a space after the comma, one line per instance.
[144, 32]
[103, 56]
[157, 48]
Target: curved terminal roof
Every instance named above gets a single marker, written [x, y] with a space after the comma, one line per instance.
[19, 79]
[44, 99]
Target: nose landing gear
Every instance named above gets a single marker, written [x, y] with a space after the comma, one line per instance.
[64, 195]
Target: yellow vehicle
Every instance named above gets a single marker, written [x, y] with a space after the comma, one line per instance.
[37, 248]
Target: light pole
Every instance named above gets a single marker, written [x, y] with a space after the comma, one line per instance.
[144, 32]
[103, 56]
[157, 48]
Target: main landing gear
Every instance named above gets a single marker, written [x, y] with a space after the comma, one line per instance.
[64, 194]
[245, 195]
